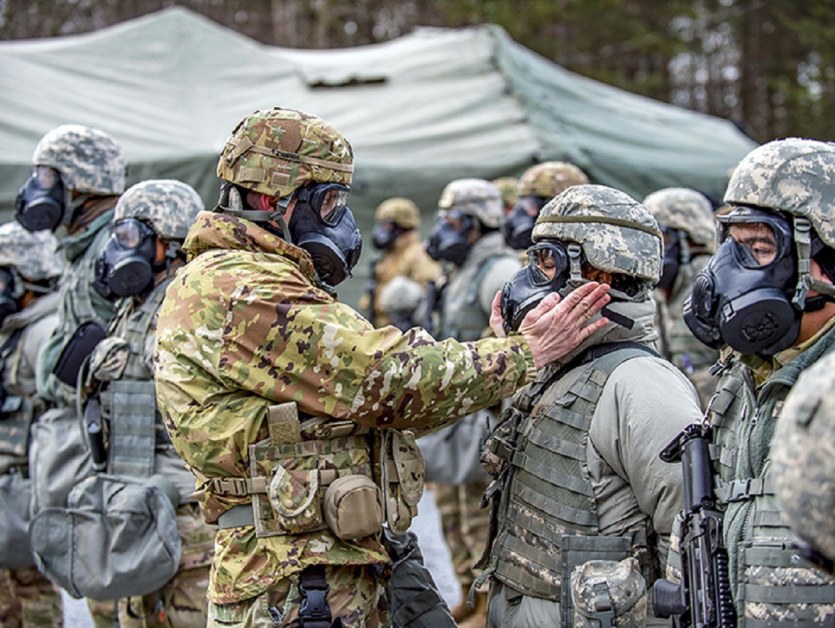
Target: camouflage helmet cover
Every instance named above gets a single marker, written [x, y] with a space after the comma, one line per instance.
[276, 151]
[507, 188]
[474, 197]
[170, 206]
[685, 210]
[803, 457]
[88, 159]
[550, 178]
[617, 233]
[792, 175]
[33, 254]
[401, 211]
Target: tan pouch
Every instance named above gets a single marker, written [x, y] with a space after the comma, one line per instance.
[402, 471]
[294, 497]
[352, 507]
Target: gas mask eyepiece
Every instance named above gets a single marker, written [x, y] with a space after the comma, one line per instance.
[449, 239]
[40, 202]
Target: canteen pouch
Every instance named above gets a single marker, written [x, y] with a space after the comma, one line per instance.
[116, 538]
[294, 497]
[75, 351]
[15, 491]
[609, 593]
[402, 471]
[352, 507]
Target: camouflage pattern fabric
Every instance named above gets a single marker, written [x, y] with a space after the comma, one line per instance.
[474, 197]
[616, 232]
[791, 175]
[170, 206]
[245, 326]
[685, 210]
[465, 526]
[601, 586]
[88, 159]
[507, 188]
[803, 457]
[401, 211]
[549, 179]
[276, 151]
[29, 600]
[356, 596]
[33, 254]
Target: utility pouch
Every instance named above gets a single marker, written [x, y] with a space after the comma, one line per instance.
[294, 496]
[402, 471]
[608, 593]
[75, 351]
[352, 507]
[15, 491]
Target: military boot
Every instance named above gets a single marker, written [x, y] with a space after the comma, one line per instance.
[462, 611]
[478, 614]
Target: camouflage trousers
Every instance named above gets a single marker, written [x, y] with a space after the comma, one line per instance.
[465, 524]
[357, 596]
[29, 600]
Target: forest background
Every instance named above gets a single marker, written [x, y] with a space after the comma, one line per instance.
[766, 65]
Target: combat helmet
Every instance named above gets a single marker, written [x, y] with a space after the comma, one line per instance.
[507, 188]
[549, 178]
[684, 209]
[474, 197]
[275, 151]
[89, 160]
[802, 457]
[401, 211]
[33, 254]
[615, 232]
[170, 206]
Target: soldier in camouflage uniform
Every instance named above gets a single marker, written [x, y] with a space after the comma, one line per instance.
[397, 236]
[137, 265]
[768, 295]
[507, 188]
[468, 239]
[538, 185]
[578, 476]
[274, 392]
[686, 220]
[804, 460]
[78, 177]
[29, 268]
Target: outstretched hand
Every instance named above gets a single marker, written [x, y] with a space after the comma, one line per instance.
[556, 326]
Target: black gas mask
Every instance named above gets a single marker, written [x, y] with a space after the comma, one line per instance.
[40, 202]
[9, 293]
[518, 226]
[676, 253]
[449, 240]
[385, 234]
[323, 225]
[743, 298]
[127, 264]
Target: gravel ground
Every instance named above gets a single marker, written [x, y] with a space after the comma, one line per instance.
[427, 526]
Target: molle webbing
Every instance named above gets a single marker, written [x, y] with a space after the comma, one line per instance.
[551, 500]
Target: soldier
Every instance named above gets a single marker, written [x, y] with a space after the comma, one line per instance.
[467, 238]
[397, 236]
[768, 295]
[78, 176]
[804, 461]
[575, 458]
[273, 391]
[29, 268]
[686, 220]
[137, 265]
[507, 188]
[538, 185]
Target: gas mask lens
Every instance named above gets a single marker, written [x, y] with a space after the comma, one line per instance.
[546, 262]
[130, 232]
[759, 238]
[329, 201]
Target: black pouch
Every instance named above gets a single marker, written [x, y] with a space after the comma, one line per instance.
[77, 348]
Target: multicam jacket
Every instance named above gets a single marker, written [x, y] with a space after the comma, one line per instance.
[244, 326]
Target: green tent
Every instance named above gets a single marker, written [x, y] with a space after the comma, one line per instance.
[420, 110]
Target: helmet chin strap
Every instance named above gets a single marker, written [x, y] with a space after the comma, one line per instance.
[805, 281]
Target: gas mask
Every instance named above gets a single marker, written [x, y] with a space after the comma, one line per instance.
[676, 253]
[449, 240]
[385, 234]
[519, 224]
[126, 266]
[10, 292]
[323, 225]
[40, 202]
[743, 298]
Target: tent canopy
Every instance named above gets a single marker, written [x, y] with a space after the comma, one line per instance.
[420, 110]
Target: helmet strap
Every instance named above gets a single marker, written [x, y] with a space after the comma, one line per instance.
[231, 202]
[803, 242]
[575, 255]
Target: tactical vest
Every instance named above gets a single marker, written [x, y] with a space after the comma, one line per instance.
[773, 584]
[549, 522]
[129, 403]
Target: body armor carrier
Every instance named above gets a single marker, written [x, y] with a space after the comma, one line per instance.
[547, 511]
[773, 584]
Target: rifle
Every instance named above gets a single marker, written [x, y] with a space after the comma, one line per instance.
[703, 598]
